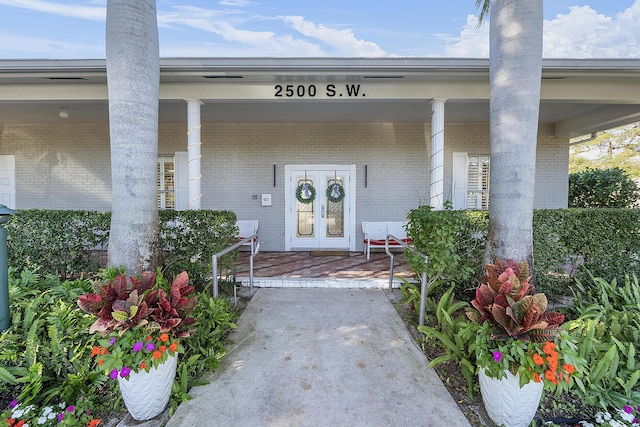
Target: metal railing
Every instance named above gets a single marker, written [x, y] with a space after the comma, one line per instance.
[423, 288]
[255, 247]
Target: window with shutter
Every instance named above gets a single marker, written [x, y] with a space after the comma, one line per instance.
[166, 183]
[478, 182]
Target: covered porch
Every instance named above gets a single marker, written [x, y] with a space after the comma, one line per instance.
[309, 269]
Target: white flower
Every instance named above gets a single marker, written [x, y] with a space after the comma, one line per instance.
[62, 405]
[614, 423]
[585, 424]
[607, 416]
[42, 420]
[51, 415]
[47, 410]
[626, 416]
[17, 413]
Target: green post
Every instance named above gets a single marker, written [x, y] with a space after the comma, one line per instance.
[5, 319]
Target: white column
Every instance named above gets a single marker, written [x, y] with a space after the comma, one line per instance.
[436, 191]
[193, 152]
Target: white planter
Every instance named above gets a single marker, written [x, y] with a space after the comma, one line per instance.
[506, 403]
[147, 393]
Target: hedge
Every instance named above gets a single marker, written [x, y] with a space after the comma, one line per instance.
[71, 243]
[566, 244]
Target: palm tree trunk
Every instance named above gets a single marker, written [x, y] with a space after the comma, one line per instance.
[515, 73]
[133, 70]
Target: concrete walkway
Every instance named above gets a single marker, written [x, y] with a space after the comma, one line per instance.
[320, 357]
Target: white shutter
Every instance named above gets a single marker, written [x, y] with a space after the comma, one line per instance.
[459, 184]
[181, 180]
[478, 182]
[8, 180]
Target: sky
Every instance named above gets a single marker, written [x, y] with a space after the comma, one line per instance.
[67, 29]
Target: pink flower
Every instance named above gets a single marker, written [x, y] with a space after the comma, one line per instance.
[113, 374]
[70, 409]
[137, 346]
[497, 356]
[112, 341]
[628, 409]
[150, 346]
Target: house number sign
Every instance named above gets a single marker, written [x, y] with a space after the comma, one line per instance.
[311, 90]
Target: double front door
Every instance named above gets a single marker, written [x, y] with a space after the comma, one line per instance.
[320, 207]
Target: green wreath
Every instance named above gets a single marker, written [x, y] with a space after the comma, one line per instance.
[307, 190]
[335, 192]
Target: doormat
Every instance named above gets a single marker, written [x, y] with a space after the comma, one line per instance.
[329, 253]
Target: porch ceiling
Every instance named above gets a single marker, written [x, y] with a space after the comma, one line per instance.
[578, 96]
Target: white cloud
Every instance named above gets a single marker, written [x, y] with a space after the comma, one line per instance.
[343, 42]
[584, 33]
[74, 11]
[244, 42]
[473, 41]
[32, 47]
[236, 3]
[580, 33]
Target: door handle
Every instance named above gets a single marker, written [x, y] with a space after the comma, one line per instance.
[322, 211]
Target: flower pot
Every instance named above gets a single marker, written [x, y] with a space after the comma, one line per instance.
[147, 393]
[506, 403]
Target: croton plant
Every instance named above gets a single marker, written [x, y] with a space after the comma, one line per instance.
[140, 321]
[506, 300]
[515, 331]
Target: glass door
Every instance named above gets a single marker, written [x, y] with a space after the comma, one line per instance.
[319, 211]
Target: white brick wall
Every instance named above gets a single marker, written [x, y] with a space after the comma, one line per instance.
[67, 166]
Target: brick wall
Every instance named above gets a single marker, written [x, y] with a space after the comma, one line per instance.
[67, 166]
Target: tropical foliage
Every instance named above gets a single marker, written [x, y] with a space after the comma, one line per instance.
[45, 355]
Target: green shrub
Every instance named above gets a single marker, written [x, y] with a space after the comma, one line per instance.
[44, 351]
[455, 334]
[608, 331]
[45, 355]
[602, 188]
[71, 243]
[63, 242]
[568, 243]
[190, 238]
[453, 240]
[204, 348]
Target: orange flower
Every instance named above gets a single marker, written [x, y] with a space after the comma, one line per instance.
[103, 350]
[569, 368]
[143, 365]
[100, 362]
[551, 376]
[549, 347]
[95, 350]
[10, 421]
[148, 338]
[536, 377]
[537, 359]
[173, 346]
[162, 348]
[164, 337]
[20, 423]
[157, 354]
[93, 423]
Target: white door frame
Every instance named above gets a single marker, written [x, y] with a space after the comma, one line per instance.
[290, 202]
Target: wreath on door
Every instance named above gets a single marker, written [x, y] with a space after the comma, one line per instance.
[306, 192]
[335, 192]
